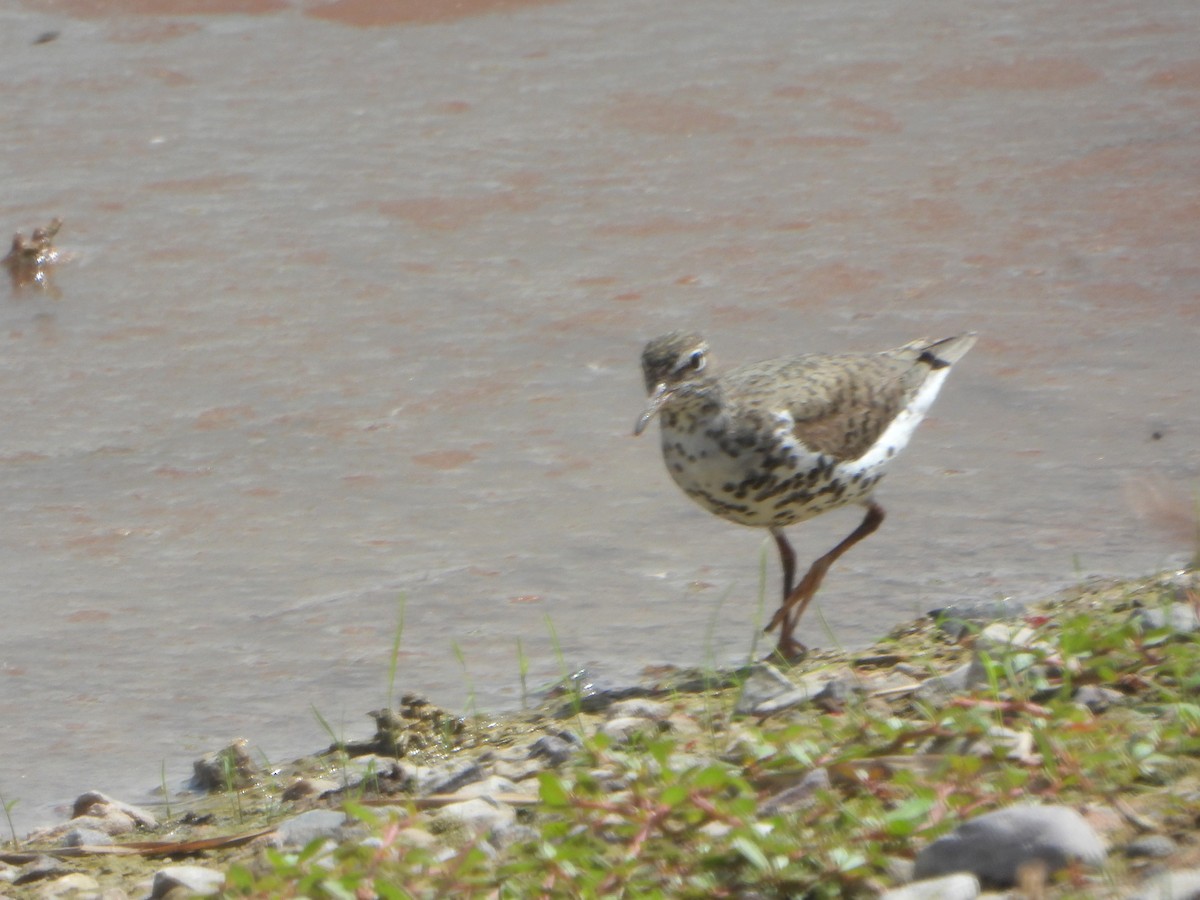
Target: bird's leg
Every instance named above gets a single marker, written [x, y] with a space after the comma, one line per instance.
[797, 600]
[787, 556]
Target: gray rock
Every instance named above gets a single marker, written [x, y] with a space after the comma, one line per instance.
[232, 767]
[949, 887]
[1181, 885]
[72, 885]
[94, 803]
[966, 615]
[587, 692]
[1177, 617]
[1154, 846]
[640, 708]
[764, 682]
[556, 749]
[309, 787]
[39, 869]
[623, 728]
[798, 796]
[835, 694]
[481, 815]
[994, 846]
[86, 837]
[797, 696]
[445, 778]
[195, 880]
[1096, 697]
[301, 830]
[492, 787]
[963, 678]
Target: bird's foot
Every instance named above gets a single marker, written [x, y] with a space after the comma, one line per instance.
[789, 651]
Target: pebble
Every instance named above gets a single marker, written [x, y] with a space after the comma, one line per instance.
[223, 769]
[949, 887]
[1181, 885]
[763, 683]
[954, 682]
[481, 815]
[798, 796]
[75, 883]
[555, 749]
[301, 830]
[640, 708]
[309, 787]
[86, 837]
[445, 778]
[194, 880]
[623, 728]
[1154, 846]
[995, 845]
[967, 615]
[1096, 698]
[1178, 617]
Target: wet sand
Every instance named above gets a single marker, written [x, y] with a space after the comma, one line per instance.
[354, 308]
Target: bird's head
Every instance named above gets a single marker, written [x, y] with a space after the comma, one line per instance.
[668, 363]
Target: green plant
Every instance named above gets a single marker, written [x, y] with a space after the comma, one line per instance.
[394, 658]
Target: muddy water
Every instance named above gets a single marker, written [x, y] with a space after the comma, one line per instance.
[354, 304]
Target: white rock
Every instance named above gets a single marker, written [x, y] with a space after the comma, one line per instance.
[1181, 885]
[195, 880]
[481, 815]
[764, 683]
[622, 728]
[949, 887]
[641, 708]
[491, 787]
[76, 882]
[995, 845]
[301, 830]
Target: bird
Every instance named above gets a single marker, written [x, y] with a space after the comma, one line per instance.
[777, 442]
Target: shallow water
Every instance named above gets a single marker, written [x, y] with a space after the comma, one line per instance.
[352, 317]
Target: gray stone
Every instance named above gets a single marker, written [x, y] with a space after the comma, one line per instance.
[494, 787]
[764, 682]
[798, 796]
[994, 846]
[69, 885]
[301, 830]
[968, 615]
[623, 728]
[1154, 846]
[1177, 617]
[445, 778]
[556, 749]
[94, 803]
[640, 708]
[195, 880]
[1181, 885]
[309, 787]
[232, 767]
[962, 886]
[482, 815]
[797, 696]
[957, 681]
[1096, 697]
[39, 869]
[86, 837]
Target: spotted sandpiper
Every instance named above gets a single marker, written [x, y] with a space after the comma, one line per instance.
[780, 441]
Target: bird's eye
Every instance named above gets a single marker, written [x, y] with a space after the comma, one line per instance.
[696, 361]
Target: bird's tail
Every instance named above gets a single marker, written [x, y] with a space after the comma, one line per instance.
[940, 354]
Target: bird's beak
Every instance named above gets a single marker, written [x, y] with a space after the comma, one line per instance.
[660, 396]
